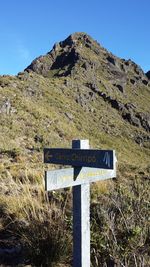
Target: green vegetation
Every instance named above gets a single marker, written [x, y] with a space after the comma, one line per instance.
[51, 106]
[120, 225]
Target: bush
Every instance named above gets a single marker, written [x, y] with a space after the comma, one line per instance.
[120, 226]
[38, 224]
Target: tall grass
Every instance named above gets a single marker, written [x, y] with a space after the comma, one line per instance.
[120, 221]
[37, 222]
[121, 225]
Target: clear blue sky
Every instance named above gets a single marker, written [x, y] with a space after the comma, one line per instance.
[29, 28]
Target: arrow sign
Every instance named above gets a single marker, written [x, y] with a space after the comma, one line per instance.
[48, 156]
[88, 166]
[80, 157]
[62, 178]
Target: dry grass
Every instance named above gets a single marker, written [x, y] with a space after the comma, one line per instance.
[50, 112]
[121, 225]
[38, 223]
[43, 223]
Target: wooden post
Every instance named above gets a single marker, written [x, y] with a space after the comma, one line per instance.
[80, 178]
[81, 217]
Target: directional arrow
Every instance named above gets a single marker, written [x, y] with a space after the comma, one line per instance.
[103, 159]
[48, 156]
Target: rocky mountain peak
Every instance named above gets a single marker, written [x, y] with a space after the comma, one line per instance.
[80, 55]
[64, 55]
[76, 39]
[99, 72]
[87, 92]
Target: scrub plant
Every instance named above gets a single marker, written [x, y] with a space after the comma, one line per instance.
[121, 225]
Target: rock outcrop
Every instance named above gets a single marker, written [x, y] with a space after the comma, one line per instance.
[75, 51]
[77, 90]
[80, 57]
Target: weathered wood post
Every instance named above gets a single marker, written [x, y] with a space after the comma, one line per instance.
[88, 166]
[81, 217]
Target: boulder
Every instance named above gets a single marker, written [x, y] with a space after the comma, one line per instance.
[120, 86]
[131, 118]
[111, 60]
[145, 82]
[6, 107]
[145, 120]
[133, 81]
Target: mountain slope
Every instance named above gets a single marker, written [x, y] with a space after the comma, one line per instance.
[117, 81]
[77, 90]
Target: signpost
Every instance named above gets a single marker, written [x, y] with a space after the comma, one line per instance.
[88, 166]
[81, 158]
[63, 178]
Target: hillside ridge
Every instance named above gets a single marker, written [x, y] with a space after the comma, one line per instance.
[87, 77]
[79, 53]
[69, 51]
[78, 90]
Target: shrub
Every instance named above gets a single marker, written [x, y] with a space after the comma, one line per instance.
[120, 225]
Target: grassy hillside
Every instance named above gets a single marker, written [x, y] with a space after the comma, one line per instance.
[77, 91]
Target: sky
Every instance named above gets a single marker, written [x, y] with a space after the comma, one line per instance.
[30, 28]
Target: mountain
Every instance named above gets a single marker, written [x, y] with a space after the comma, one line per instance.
[113, 79]
[78, 90]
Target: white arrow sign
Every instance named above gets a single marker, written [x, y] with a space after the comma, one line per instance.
[75, 176]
